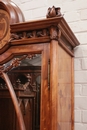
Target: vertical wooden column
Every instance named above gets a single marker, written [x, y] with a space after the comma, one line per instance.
[45, 98]
[54, 76]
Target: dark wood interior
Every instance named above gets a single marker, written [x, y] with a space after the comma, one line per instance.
[28, 94]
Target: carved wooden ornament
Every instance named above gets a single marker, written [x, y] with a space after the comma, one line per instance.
[4, 28]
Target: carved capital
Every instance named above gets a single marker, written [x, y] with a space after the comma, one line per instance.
[55, 33]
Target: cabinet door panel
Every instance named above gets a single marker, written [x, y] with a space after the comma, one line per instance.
[43, 121]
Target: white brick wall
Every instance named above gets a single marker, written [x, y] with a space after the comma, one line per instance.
[78, 116]
[75, 13]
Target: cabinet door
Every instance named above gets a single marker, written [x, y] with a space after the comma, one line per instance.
[36, 53]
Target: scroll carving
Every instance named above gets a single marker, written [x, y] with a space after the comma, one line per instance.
[29, 34]
[53, 12]
[53, 32]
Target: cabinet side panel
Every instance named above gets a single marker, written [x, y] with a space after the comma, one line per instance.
[64, 89]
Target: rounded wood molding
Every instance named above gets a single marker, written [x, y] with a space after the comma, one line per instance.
[4, 28]
[4, 21]
[16, 15]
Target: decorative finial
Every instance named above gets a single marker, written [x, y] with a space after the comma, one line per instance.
[53, 12]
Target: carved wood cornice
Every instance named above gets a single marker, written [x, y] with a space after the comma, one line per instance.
[35, 26]
[29, 34]
[41, 31]
[68, 33]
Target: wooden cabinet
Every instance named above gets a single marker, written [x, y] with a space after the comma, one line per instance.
[37, 62]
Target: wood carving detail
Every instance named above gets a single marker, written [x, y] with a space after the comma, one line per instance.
[55, 33]
[53, 12]
[29, 34]
[15, 62]
[25, 103]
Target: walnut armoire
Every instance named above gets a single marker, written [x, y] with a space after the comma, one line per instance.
[36, 71]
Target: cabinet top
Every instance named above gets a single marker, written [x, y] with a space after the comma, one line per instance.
[46, 23]
[54, 27]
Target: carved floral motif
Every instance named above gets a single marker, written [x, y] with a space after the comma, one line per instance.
[15, 63]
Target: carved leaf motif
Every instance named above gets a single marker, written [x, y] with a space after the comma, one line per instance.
[28, 34]
[53, 33]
